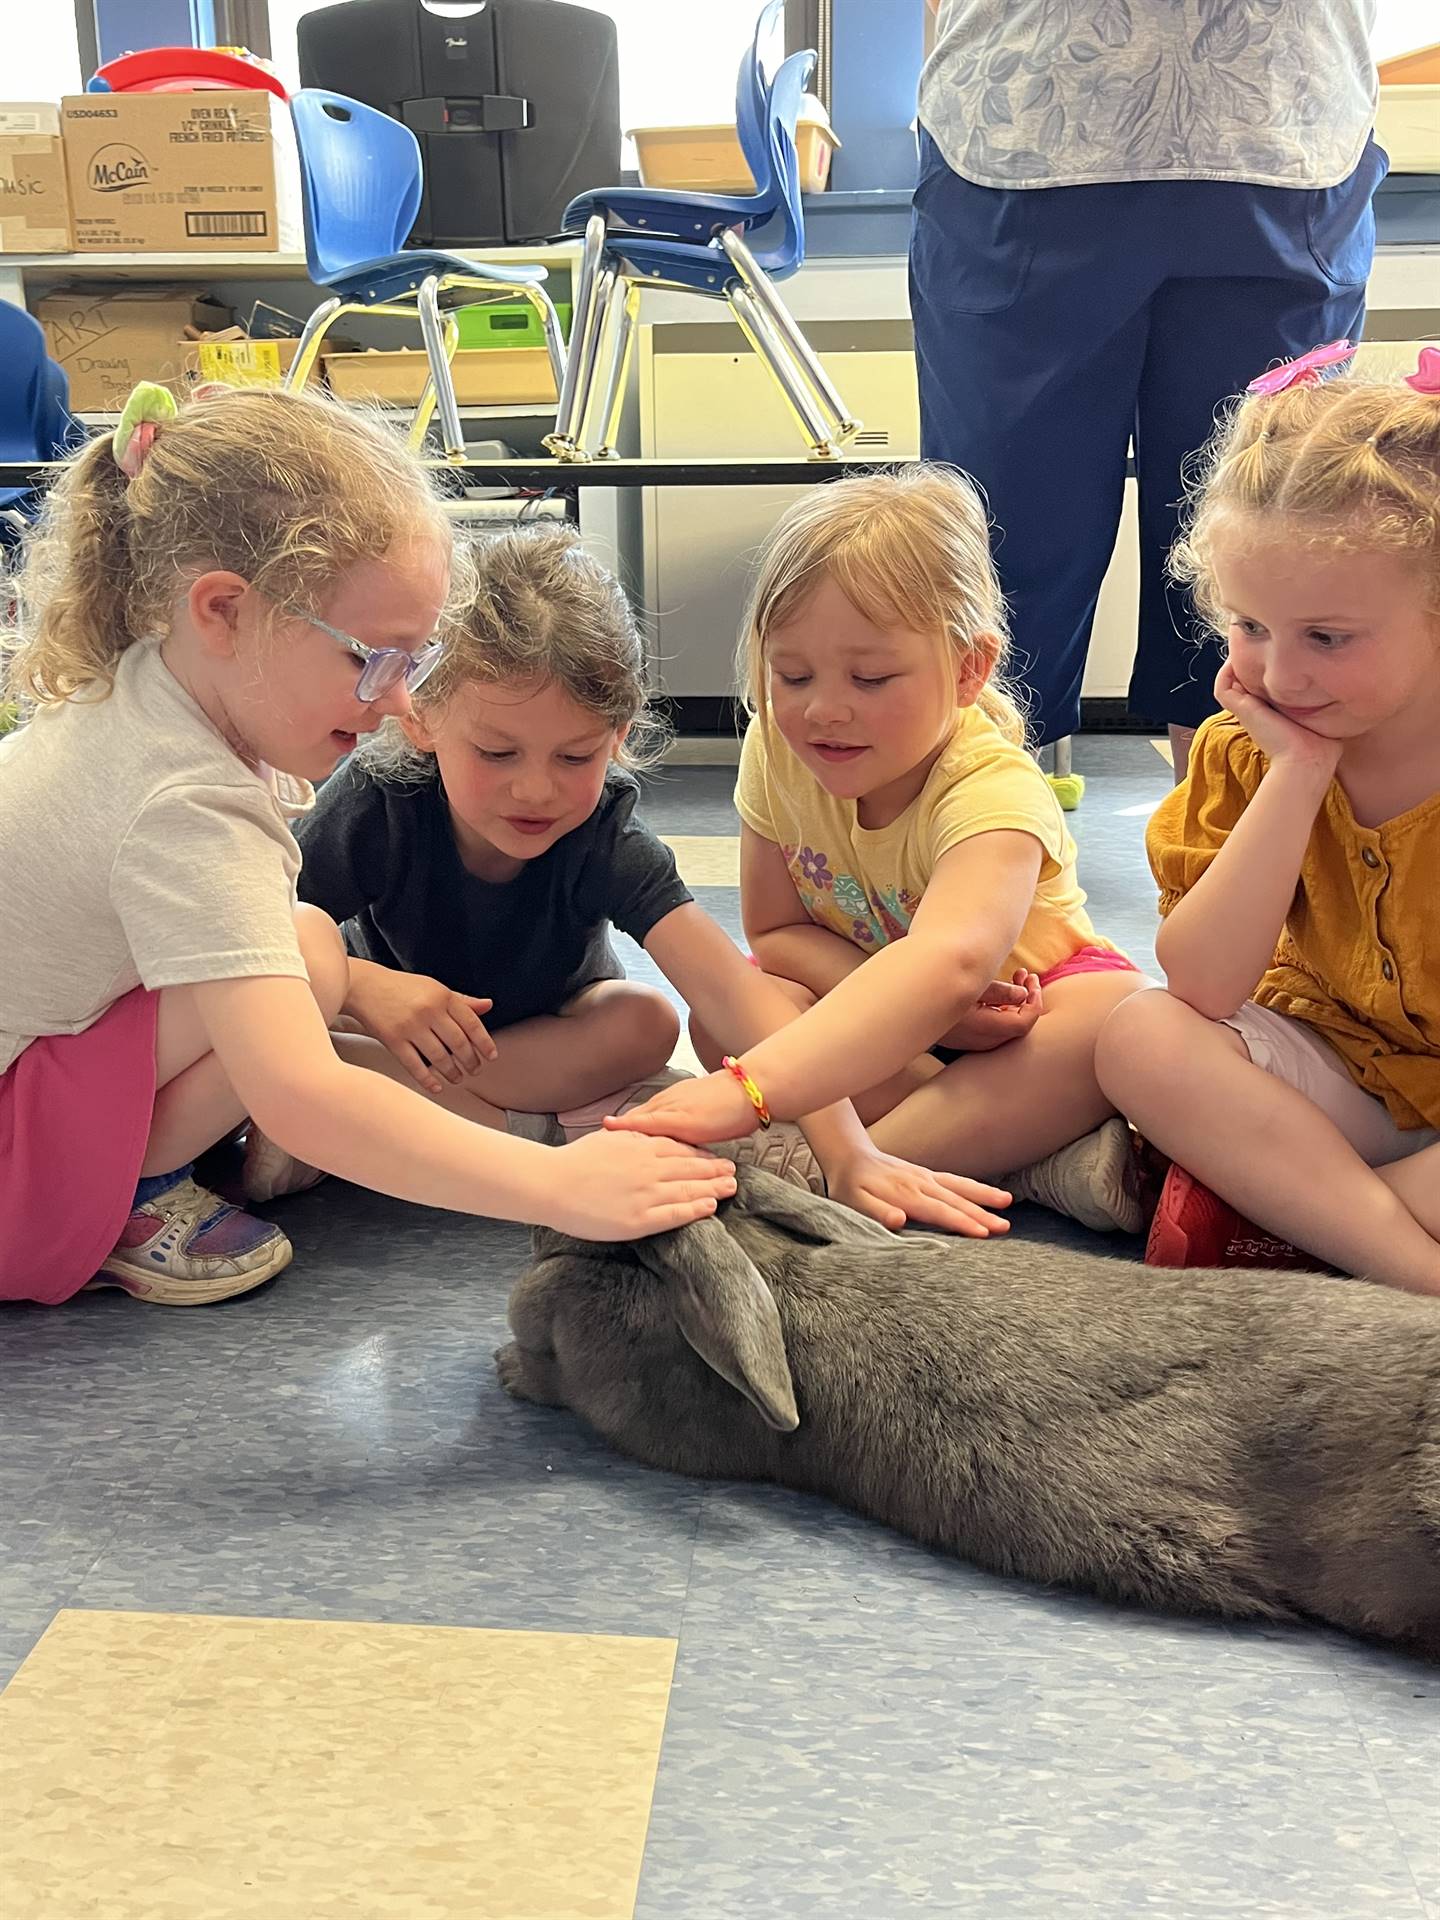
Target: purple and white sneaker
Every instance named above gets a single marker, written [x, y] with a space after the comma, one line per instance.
[187, 1247]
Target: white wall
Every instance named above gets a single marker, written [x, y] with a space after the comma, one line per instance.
[1403, 24]
[42, 58]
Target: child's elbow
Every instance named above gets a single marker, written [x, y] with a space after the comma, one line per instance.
[956, 976]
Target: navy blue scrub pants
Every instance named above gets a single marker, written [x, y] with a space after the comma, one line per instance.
[1054, 325]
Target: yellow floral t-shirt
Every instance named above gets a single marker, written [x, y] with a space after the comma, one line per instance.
[865, 883]
[1359, 956]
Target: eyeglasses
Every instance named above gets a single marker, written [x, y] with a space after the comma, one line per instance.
[381, 668]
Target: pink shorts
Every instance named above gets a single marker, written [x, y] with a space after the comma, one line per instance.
[75, 1113]
[1089, 960]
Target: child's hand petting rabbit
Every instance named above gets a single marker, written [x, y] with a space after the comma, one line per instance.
[896, 1193]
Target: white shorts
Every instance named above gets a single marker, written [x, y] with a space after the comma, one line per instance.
[1303, 1059]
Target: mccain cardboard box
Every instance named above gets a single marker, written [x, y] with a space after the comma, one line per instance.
[107, 339]
[211, 172]
[34, 199]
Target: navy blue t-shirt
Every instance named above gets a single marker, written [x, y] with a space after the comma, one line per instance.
[381, 859]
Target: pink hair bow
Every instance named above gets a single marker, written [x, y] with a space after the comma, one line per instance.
[1303, 372]
[1426, 377]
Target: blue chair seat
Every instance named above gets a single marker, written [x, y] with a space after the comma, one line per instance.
[394, 276]
[700, 269]
[679, 216]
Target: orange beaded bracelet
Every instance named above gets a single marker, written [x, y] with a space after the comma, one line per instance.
[757, 1099]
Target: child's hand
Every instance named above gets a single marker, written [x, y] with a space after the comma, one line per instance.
[715, 1108]
[893, 1191]
[613, 1186]
[1277, 736]
[430, 1030]
[1001, 1014]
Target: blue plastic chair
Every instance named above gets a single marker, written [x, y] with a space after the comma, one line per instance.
[361, 177]
[35, 418]
[618, 261]
[698, 217]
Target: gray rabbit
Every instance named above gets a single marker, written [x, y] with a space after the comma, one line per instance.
[1260, 1445]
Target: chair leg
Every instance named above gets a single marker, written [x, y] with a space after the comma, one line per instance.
[538, 298]
[433, 329]
[775, 355]
[311, 341]
[425, 406]
[554, 338]
[622, 309]
[563, 442]
[589, 424]
[762, 289]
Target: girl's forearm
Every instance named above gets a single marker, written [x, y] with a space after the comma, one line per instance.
[869, 1026]
[371, 1130]
[1217, 943]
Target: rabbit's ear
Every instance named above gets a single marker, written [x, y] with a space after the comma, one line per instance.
[804, 1214]
[727, 1314]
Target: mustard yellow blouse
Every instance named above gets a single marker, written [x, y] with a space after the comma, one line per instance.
[1359, 957]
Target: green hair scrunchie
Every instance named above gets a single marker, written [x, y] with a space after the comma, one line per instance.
[149, 408]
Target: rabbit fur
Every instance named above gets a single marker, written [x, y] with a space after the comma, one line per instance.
[1252, 1444]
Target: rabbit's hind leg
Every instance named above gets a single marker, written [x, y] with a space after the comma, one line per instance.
[528, 1375]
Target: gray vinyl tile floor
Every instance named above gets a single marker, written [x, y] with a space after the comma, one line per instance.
[856, 1727]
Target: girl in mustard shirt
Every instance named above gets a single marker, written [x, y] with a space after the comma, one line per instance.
[1292, 1067]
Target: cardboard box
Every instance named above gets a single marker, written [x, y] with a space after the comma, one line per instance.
[212, 172]
[233, 359]
[107, 340]
[484, 376]
[34, 198]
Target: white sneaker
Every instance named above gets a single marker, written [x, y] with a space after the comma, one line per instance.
[269, 1171]
[1093, 1180]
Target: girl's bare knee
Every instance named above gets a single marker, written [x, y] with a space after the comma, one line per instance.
[1134, 1037]
[322, 947]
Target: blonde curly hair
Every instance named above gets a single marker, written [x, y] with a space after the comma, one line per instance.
[285, 489]
[908, 549]
[540, 611]
[1349, 463]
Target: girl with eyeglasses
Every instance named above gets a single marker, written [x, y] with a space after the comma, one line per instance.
[220, 603]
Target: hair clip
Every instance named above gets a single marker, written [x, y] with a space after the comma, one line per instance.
[149, 408]
[1426, 377]
[1304, 372]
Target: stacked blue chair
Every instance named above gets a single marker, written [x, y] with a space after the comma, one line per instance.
[35, 419]
[361, 178]
[697, 243]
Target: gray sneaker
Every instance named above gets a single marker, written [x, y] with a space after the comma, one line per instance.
[1095, 1180]
[781, 1149]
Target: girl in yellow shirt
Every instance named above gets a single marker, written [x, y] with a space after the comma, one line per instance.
[905, 870]
[1292, 1068]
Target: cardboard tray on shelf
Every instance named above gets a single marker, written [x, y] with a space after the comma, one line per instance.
[484, 376]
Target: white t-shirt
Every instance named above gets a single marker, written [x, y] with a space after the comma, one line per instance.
[136, 849]
[1068, 93]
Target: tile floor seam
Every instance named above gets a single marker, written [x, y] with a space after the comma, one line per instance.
[1400, 1840]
